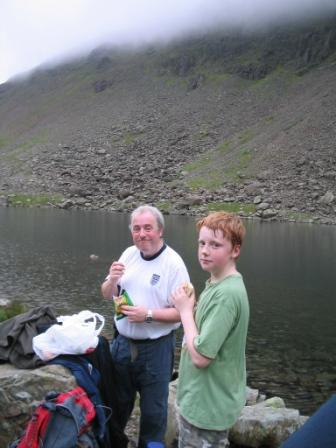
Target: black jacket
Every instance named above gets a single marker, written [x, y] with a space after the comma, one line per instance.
[16, 336]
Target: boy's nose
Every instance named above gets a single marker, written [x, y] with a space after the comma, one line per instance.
[204, 249]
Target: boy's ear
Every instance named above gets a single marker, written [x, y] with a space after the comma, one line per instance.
[236, 251]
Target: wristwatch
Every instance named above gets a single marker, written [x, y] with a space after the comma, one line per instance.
[149, 316]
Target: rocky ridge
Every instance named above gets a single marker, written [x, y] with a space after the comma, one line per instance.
[244, 123]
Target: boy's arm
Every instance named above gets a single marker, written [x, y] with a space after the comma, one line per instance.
[190, 332]
[185, 305]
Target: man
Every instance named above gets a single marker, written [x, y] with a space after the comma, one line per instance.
[143, 351]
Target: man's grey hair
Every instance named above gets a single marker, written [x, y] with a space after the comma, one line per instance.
[148, 209]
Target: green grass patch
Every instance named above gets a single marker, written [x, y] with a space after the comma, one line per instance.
[11, 310]
[25, 200]
[232, 207]
[197, 164]
[130, 137]
[280, 75]
[237, 167]
[246, 135]
[210, 182]
[298, 216]
[164, 206]
[171, 82]
[269, 119]
[4, 141]
[224, 147]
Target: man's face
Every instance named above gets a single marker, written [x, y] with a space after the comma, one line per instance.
[146, 233]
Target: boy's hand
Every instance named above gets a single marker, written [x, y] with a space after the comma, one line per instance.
[182, 300]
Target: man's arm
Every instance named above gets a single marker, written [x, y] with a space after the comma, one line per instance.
[110, 286]
[139, 313]
[109, 289]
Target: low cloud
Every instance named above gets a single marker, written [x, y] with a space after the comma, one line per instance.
[35, 31]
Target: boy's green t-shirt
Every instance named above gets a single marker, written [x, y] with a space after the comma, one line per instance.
[213, 397]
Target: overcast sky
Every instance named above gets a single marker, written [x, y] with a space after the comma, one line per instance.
[37, 31]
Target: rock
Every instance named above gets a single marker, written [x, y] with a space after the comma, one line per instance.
[269, 213]
[261, 424]
[328, 198]
[3, 201]
[94, 257]
[100, 86]
[263, 206]
[257, 200]
[66, 204]
[20, 392]
[266, 424]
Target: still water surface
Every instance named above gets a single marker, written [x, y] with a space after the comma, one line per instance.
[289, 271]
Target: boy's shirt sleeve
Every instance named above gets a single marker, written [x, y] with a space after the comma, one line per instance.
[215, 326]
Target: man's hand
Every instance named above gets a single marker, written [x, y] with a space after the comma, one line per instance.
[109, 287]
[182, 301]
[117, 269]
[136, 314]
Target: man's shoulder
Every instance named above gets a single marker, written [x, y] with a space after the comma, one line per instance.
[172, 255]
[130, 252]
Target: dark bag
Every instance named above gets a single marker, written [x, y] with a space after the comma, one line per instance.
[60, 421]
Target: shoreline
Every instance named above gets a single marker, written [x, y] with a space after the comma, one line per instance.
[73, 204]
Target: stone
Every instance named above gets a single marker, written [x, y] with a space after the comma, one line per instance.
[263, 206]
[66, 204]
[21, 390]
[262, 423]
[268, 213]
[328, 198]
[265, 424]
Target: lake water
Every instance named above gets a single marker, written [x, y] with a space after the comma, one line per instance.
[289, 270]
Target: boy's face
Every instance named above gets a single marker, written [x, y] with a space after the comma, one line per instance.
[216, 254]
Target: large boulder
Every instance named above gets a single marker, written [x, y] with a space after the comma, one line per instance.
[21, 391]
[262, 423]
[265, 424]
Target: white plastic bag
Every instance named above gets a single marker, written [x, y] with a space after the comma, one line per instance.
[77, 335]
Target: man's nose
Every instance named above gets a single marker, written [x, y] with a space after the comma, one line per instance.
[142, 233]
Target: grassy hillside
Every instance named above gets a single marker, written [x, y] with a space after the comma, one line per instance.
[237, 120]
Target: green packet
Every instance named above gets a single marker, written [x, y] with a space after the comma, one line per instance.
[123, 299]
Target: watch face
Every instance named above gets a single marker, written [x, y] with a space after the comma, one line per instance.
[149, 316]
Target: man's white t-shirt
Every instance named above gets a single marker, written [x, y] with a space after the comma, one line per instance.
[150, 283]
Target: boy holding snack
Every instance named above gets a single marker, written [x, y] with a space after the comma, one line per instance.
[212, 379]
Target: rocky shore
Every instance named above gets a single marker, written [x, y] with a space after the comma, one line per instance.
[263, 422]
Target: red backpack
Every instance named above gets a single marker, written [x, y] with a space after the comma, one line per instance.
[59, 421]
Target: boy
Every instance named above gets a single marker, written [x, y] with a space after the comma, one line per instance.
[212, 381]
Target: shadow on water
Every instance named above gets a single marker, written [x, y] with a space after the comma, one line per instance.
[288, 269]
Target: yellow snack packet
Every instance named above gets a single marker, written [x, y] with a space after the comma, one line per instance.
[119, 301]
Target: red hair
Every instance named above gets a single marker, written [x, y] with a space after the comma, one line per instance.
[230, 224]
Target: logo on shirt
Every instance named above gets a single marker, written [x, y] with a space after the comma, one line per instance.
[155, 278]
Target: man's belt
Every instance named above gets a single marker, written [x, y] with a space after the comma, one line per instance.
[149, 340]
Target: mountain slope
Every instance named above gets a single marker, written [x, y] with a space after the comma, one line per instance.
[242, 121]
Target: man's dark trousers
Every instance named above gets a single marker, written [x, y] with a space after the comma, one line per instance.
[144, 366]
